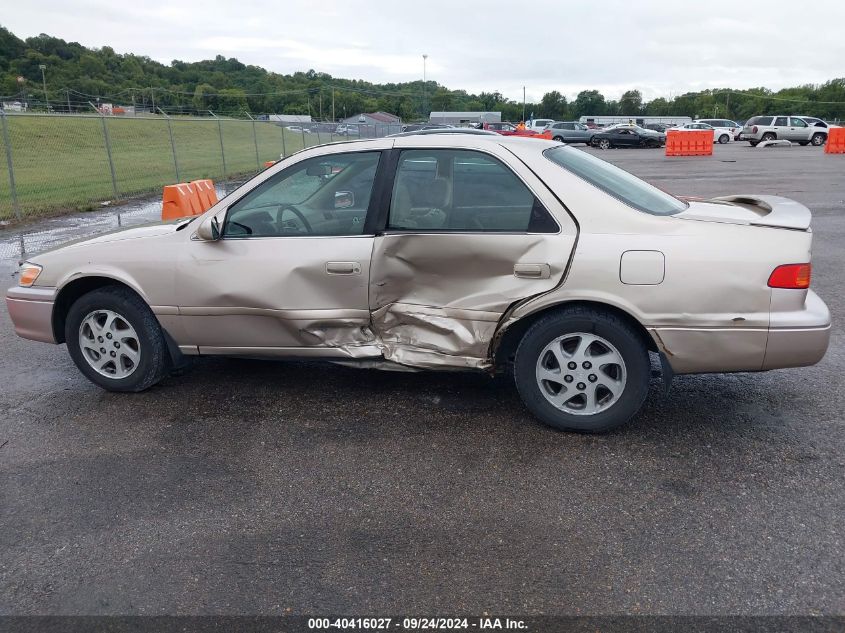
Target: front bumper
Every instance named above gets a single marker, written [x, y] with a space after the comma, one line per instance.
[31, 311]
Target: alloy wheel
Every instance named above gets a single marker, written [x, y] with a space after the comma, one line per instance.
[109, 344]
[581, 373]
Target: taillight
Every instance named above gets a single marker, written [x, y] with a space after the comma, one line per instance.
[795, 276]
[754, 130]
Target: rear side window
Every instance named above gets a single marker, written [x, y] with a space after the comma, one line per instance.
[615, 181]
[759, 120]
[463, 190]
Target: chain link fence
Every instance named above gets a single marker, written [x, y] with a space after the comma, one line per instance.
[52, 163]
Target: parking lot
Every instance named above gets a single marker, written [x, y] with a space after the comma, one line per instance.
[257, 487]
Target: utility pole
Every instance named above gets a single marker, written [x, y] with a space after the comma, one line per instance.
[333, 119]
[321, 105]
[153, 97]
[43, 67]
[425, 87]
[523, 104]
[67, 92]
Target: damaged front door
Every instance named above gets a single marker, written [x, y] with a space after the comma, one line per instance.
[467, 235]
[290, 275]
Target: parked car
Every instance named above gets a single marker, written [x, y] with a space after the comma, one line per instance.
[449, 130]
[627, 135]
[571, 132]
[508, 129]
[538, 125]
[816, 122]
[345, 129]
[657, 127]
[734, 127]
[720, 135]
[445, 251]
[790, 128]
[295, 128]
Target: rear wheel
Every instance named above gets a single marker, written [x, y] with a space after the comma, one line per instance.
[768, 136]
[116, 340]
[724, 138]
[559, 139]
[582, 369]
[818, 139]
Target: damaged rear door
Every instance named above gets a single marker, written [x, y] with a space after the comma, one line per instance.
[467, 234]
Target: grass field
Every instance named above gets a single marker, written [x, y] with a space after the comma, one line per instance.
[61, 162]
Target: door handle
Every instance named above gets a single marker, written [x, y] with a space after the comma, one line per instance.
[532, 271]
[343, 268]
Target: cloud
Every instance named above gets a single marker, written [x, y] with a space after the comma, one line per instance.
[660, 47]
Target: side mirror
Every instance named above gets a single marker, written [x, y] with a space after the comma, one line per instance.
[210, 229]
[344, 199]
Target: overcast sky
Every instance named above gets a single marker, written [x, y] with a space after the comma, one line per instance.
[660, 47]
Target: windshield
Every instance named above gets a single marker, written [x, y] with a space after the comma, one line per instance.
[615, 181]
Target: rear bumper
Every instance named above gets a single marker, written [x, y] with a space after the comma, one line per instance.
[795, 338]
[798, 339]
[31, 311]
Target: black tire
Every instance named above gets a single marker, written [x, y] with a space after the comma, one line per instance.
[753, 143]
[803, 143]
[818, 139]
[574, 319]
[559, 139]
[724, 138]
[154, 362]
[768, 136]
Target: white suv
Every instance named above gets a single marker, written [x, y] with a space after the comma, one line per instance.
[790, 128]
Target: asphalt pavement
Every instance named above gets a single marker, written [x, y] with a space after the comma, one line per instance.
[250, 487]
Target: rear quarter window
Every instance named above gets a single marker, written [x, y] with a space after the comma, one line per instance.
[759, 120]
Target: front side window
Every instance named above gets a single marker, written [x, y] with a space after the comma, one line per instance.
[463, 190]
[615, 181]
[796, 122]
[325, 195]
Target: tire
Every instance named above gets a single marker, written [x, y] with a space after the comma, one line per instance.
[818, 139]
[118, 320]
[768, 136]
[803, 143]
[753, 143]
[571, 330]
[724, 139]
[559, 139]
[604, 143]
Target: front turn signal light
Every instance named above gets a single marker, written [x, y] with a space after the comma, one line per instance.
[28, 274]
[796, 276]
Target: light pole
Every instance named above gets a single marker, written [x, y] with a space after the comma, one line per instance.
[425, 88]
[43, 67]
[523, 104]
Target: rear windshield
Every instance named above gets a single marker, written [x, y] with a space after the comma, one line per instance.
[615, 181]
[759, 120]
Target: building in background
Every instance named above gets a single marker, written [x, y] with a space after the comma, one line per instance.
[633, 118]
[464, 118]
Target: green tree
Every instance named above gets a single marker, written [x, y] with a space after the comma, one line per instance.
[553, 106]
[631, 102]
[589, 102]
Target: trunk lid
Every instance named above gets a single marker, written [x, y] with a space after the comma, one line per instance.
[771, 211]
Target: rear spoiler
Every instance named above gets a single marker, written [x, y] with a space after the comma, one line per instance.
[774, 211]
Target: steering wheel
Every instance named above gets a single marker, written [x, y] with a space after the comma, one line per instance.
[297, 213]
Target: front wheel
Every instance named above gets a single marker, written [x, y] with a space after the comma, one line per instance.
[116, 341]
[818, 139]
[724, 139]
[604, 143]
[559, 139]
[583, 370]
